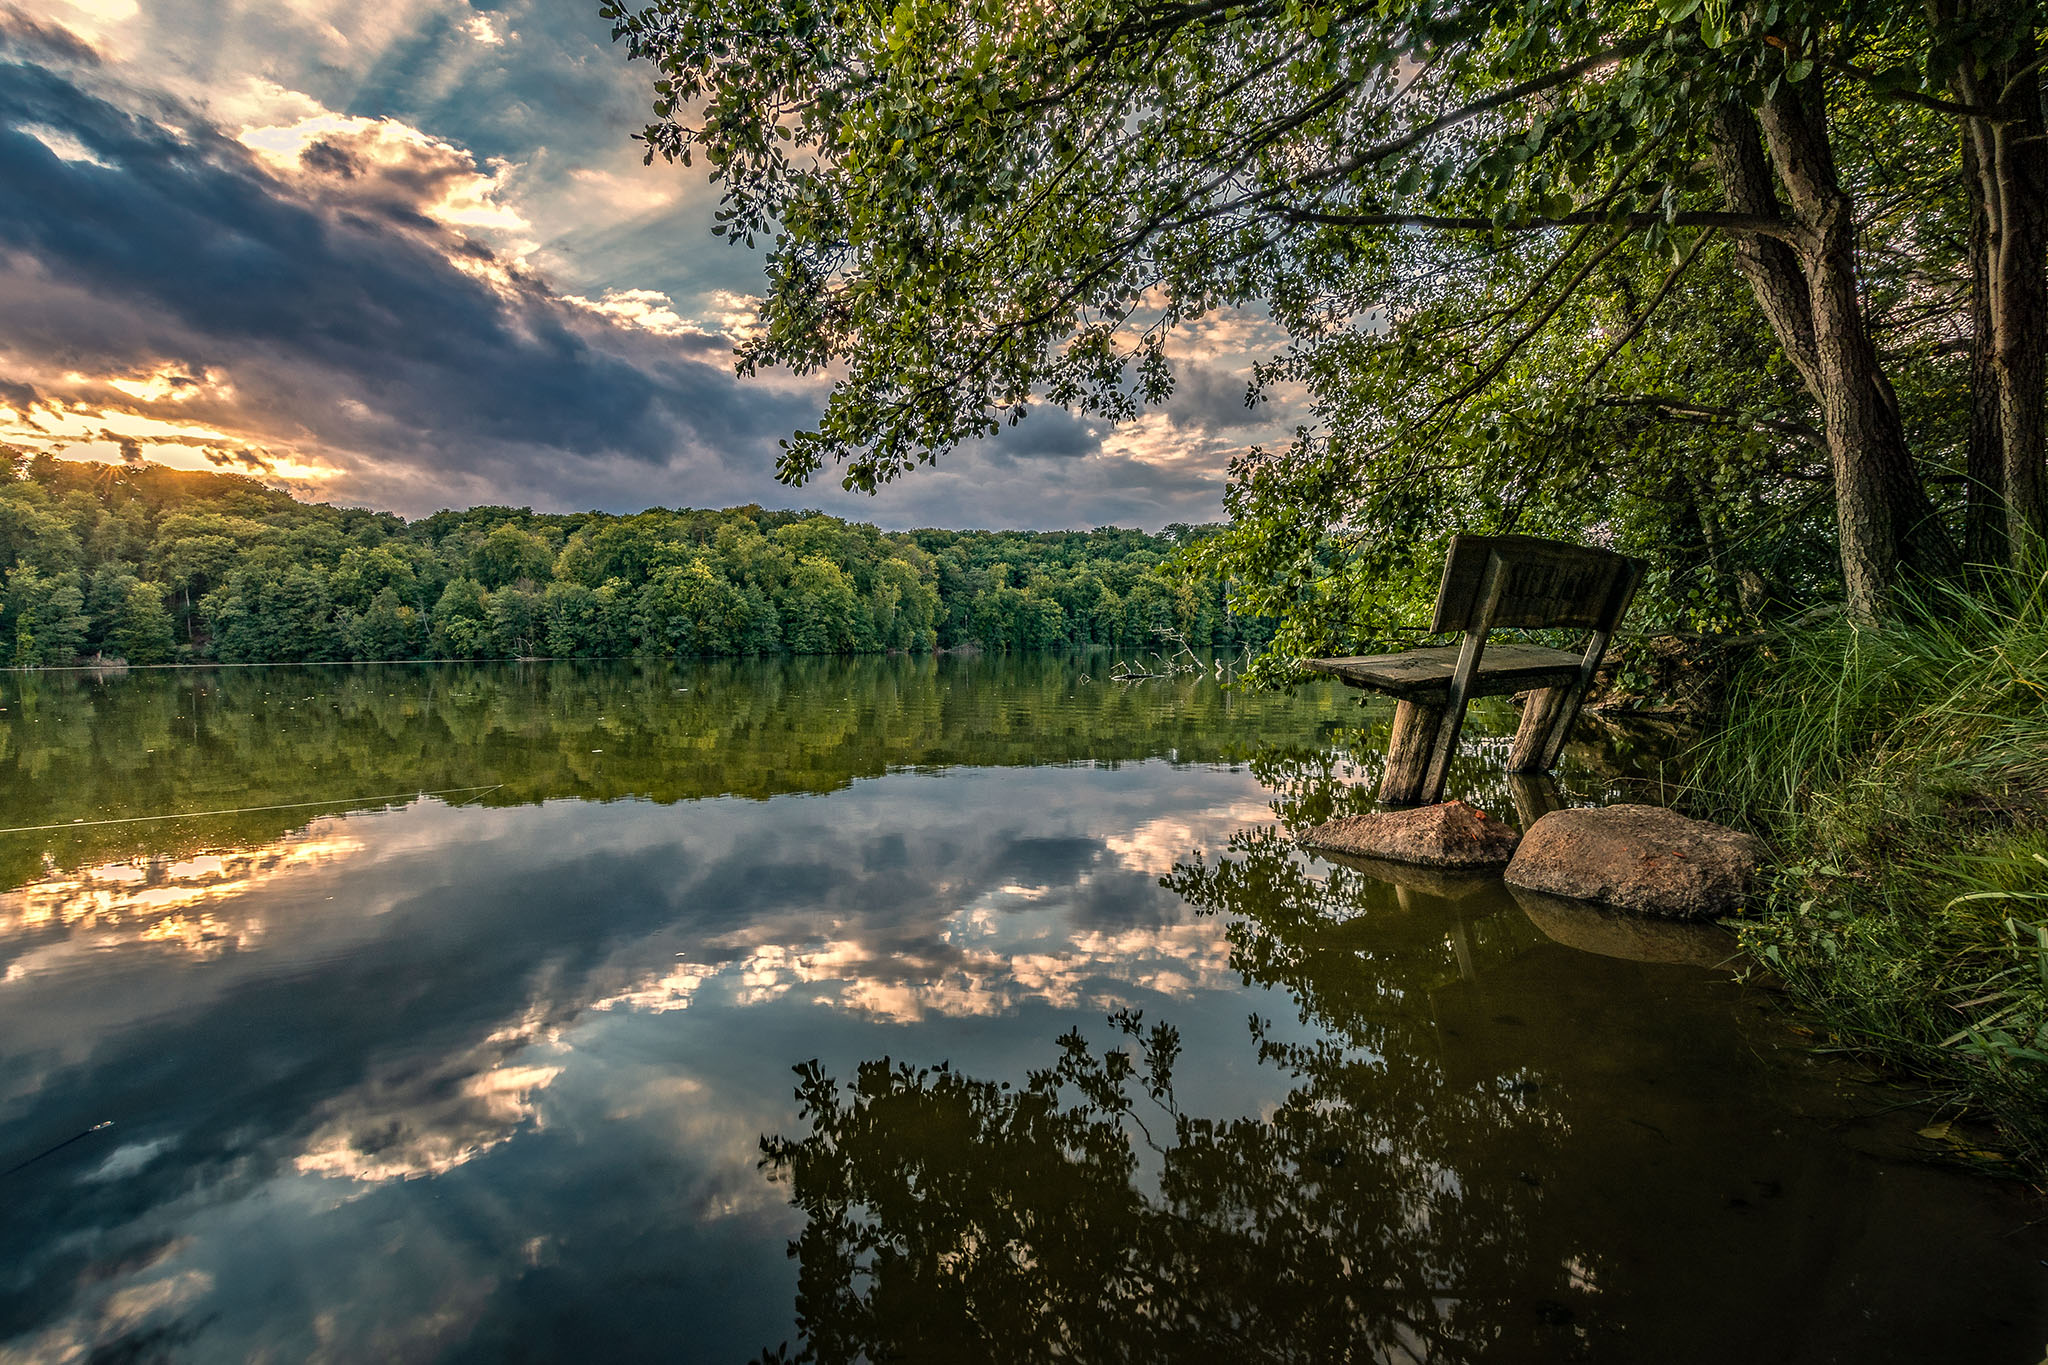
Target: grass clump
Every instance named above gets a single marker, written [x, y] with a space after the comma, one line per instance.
[1901, 773]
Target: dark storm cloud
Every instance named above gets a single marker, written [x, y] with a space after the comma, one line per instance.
[1044, 434]
[311, 297]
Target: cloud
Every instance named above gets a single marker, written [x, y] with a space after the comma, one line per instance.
[326, 271]
[484, 29]
[383, 165]
[1207, 397]
[1045, 434]
[37, 39]
[420, 268]
[648, 309]
[63, 145]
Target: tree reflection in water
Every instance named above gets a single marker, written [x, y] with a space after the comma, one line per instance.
[1488, 1145]
[1083, 1215]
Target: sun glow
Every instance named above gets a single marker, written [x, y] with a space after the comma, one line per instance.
[94, 420]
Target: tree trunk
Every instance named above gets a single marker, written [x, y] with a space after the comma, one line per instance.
[1882, 510]
[1770, 265]
[1984, 462]
[2010, 158]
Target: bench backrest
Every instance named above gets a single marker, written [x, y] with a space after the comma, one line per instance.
[1532, 584]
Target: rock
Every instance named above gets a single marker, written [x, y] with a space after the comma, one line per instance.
[1642, 859]
[1592, 929]
[1449, 835]
[1444, 883]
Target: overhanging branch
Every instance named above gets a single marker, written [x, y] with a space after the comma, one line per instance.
[1739, 224]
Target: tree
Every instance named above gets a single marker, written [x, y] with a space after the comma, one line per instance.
[386, 629]
[141, 630]
[571, 619]
[819, 609]
[458, 626]
[508, 555]
[517, 619]
[251, 576]
[973, 205]
[47, 614]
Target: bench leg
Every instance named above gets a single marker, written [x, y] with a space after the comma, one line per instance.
[1408, 751]
[1545, 715]
[1534, 795]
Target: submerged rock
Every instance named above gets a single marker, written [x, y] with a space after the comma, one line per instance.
[1610, 933]
[1642, 859]
[1452, 834]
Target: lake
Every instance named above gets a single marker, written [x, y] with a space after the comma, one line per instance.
[885, 1008]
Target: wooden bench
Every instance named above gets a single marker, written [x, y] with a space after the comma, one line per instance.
[1495, 582]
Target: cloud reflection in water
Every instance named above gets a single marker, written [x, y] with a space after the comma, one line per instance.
[489, 1001]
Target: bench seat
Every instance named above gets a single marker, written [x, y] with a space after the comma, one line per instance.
[1424, 675]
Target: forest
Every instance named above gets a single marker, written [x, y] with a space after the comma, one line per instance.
[154, 565]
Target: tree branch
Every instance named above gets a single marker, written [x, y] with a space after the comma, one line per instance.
[1522, 90]
[1880, 89]
[1702, 412]
[1635, 328]
[1740, 224]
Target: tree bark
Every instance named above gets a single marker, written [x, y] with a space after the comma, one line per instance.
[1810, 296]
[1984, 460]
[1770, 265]
[2008, 160]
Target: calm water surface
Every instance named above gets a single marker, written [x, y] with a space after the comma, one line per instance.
[882, 1009]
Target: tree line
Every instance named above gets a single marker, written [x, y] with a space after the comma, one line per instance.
[155, 565]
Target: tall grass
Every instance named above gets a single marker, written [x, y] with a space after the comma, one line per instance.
[1901, 773]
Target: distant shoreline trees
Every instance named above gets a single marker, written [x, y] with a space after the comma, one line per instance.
[154, 565]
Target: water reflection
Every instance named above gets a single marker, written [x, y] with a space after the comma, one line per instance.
[1489, 1147]
[81, 749]
[486, 1079]
[432, 1080]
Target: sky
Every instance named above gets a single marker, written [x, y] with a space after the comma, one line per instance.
[404, 254]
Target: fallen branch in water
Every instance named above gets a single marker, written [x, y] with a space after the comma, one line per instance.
[1177, 664]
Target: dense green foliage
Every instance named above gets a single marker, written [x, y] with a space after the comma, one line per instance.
[1903, 774]
[152, 565]
[1753, 288]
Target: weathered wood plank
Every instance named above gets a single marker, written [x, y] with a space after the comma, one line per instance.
[1535, 795]
[1544, 710]
[1425, 674]
[1408, 751]
[1543, 583]
[1491, 582]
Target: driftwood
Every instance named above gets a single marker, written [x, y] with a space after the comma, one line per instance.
[1179, 664]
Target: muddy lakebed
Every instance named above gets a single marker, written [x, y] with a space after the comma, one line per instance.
[890, 1008]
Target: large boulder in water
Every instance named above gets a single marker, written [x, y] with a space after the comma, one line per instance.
[1642, 859]
[1452, 834]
